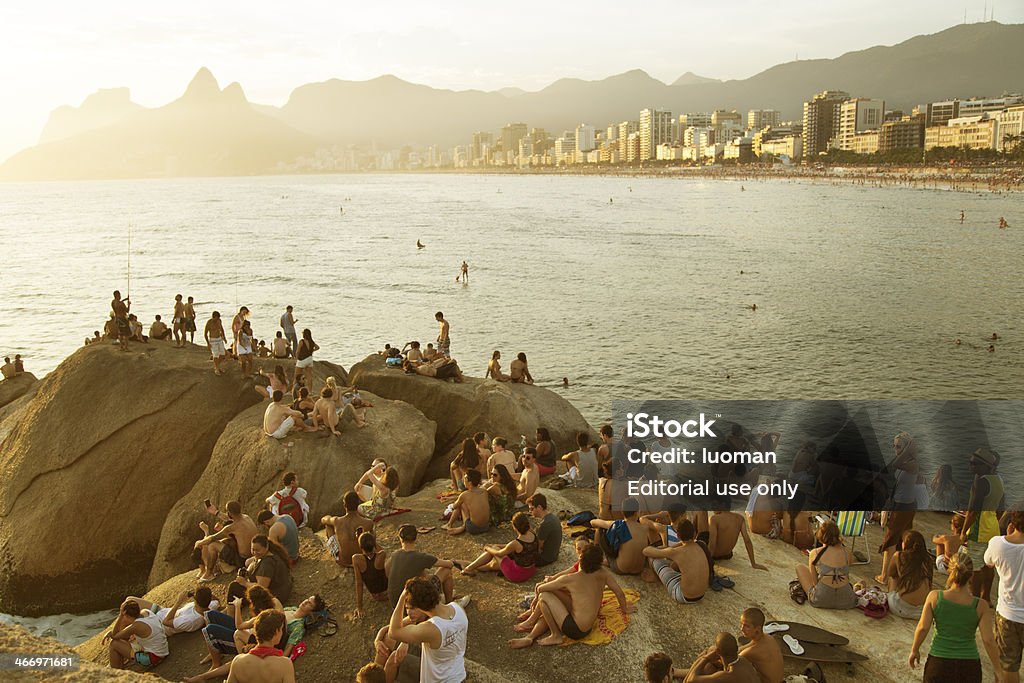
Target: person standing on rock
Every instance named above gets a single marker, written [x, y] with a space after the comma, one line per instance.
[190, 322]
[288, 327]
[120, 309]
[444, 341]
[304, 357]
[236, 327]
[216, 341]
[178, 321]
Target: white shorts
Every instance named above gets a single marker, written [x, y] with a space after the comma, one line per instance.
[285, 427]
[304, 363]
[217, 347]
[942, 564]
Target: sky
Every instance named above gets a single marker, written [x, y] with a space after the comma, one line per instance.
[57, 53]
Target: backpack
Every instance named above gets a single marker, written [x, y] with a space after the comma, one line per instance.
[287, 505]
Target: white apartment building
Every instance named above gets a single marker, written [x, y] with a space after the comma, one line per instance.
[656, 127]
[763, 118]
[859, 115]
[585, 138]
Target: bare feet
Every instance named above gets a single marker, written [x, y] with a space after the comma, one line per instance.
[522, 628]
[553, 639]
[520, 643]
[523, 616]
[648, 576]
[455, 531]
[880, 579]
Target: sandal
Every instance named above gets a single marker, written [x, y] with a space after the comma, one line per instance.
[797, 592]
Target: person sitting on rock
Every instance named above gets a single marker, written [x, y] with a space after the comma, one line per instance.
[227, 546]
[411, 352]
[382, 497]
[468, 458]
[529, 478]
[343, 532]
[279, 419]
[472, 507]
[135, 328]
[269, 567]
[516, 560]
[529, 618]
[408, 562]
[277, 381]
[762, 651]
[494, 369]
[289, 489]
[303, 403]
[262, 351]
[325, 412]
[549, 532]
[182, 616]
[7, 370]
[159, 329]
[500, 455]
[581, 464]
[624, 540]
[724, 530]
[281, 529]
[147, 633]
[502, 489]
[280, 347]
[519, 370]
[658, 668]
[721, 663]
[584, 590]
[229, 634]
[265, 663]
[440, 629]
[430, 353]
[688, 584]
[370, 565]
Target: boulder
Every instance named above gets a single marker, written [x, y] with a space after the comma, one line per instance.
[247, 465]
[15, 387]
[476, 405]
[92, 463]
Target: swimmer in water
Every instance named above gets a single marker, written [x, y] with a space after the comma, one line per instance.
[565, 382]
[419, 245]
[341, 209]
[1003, 225]
[961, 217]
[991, 348]
[994, 337]
[753, 307]
[957, 341]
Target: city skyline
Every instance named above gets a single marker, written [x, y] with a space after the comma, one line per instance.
[442, 46]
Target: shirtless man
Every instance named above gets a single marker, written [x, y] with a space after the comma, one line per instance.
[630, 556]
[444, 342]
[721, 663]
[264, 663]
[432, 369]
[609, 444]
[158, 330]
[429, 353]
[230, 546]
[215, 339]
[413, 353]
[529, 480]
[472, 507]
[120, 310]
[280, 419]
[190, 322]
[585, 589]
[346, 529]
[464, 272]
[724, 529]
[519, 371]
[8, 369]
[325, 412]
[762, 651]
[280, 348]
[178, 321]
[691, 581]
[480, 439]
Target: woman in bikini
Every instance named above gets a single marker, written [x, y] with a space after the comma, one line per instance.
[825, 581]
[516, 560]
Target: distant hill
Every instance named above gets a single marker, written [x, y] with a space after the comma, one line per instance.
[213, 132]
[102, 108]
[207, 131]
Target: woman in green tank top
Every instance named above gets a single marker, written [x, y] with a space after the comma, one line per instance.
[953, 656]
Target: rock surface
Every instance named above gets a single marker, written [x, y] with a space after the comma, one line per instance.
[247, 465]
[17, 640]
[92, 463]
[15, 387]
[477, 405]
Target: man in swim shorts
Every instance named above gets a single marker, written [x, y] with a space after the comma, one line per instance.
[280, 419]
[691, 581]
[585, 589]
[444, 342]
[215, 339]
[472, 507]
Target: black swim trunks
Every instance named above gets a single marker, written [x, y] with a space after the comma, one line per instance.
[229, 553]
[571, 630]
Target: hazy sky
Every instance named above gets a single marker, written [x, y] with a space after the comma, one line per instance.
[57, 53]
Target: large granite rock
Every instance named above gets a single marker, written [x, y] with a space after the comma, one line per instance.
[476, 405]
[91, 464]
[15, 387]
[247, 466]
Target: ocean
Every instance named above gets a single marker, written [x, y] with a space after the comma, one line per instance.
[632, 288]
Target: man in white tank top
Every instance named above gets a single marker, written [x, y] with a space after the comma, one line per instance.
[150, 645]
[439, 629]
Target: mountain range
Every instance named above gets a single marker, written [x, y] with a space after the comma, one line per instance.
[210, 131]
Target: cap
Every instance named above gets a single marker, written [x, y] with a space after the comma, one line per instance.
[986, 455]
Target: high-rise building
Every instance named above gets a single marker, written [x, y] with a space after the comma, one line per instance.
[727, 125]
[1009, 127]
[656, 127]
[821, 121]
[584, 138]
[984, 105]
[565, 148]
[972, 132]
[511, 134]
[625, 129]
[481, 143]
[906, 133]
[695, 119]
[859, 115]
[612, 132]
[762, 118]
[632, 148]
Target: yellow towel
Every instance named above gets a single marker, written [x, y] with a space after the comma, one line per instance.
[610, 620]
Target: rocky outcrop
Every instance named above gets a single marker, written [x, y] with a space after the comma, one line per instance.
[476, 405]
[247, 465]
[92, 463]
[15, 387]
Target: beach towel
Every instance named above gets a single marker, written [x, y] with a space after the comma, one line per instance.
[391, 513]
[610, 620]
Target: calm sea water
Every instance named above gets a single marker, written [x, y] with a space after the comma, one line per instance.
[630, 287]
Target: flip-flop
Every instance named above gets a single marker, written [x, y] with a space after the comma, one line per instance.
[425, 529]
[793, 644]
[457, 564]
[797, 592]
[329, 628]
[726, 581]
[715, 586]
[772, 627]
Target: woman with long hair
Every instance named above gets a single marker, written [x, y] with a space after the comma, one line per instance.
[502, 490]
[903, 499]
[910, 576]
[945, 493]
[956, 614]
[494, 369]
[825, 580]
[516, 560]
[545, 452]
[278, 382]
[384, 481]
[369, 570]
[466, 459]
[304, 356]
